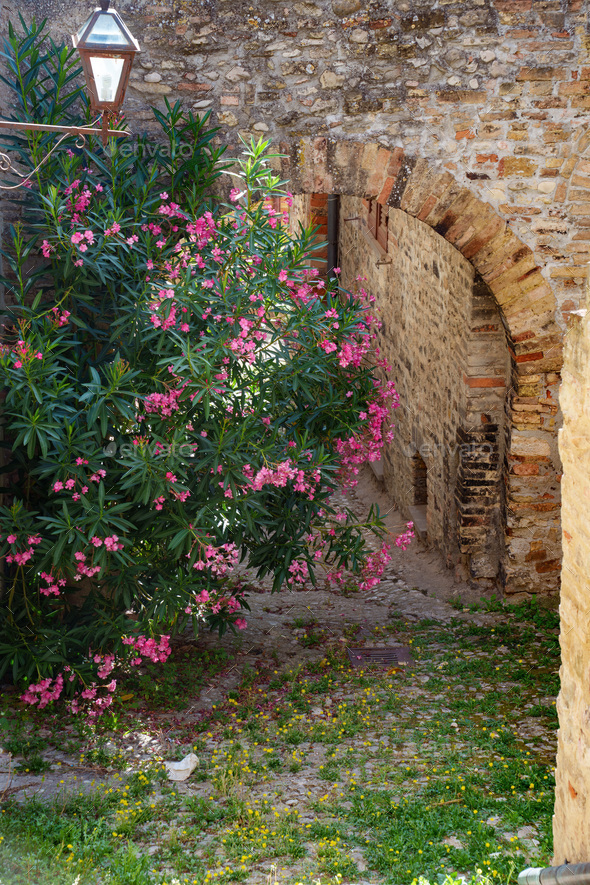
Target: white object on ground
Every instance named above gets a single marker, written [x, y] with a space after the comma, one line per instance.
[180, 771]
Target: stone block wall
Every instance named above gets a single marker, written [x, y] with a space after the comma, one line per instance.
[571, 824]
[527, 309]
[443, 337]
[494, 92]
[469, 115]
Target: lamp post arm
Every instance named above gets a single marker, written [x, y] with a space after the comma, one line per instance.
[79, 131]
[68, 130]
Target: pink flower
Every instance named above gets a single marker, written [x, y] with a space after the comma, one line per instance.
[11, 539]
[89, 236]
[77, 238]
[58, 486]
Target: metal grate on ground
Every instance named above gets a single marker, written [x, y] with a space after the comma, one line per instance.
[398, 656]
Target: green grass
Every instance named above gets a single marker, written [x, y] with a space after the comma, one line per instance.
[430, 773]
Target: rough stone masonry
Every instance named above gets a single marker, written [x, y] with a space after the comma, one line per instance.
[470, 116]
[571, 823]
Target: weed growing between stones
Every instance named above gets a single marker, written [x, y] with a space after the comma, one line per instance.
[323, 772]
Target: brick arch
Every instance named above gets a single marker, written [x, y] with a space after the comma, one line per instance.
[527, 305]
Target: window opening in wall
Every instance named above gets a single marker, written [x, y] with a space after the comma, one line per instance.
[377, 220]
[319, 220]
[280, 206]
[419, 482]
[419, 507]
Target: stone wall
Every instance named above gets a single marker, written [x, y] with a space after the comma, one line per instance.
[527, 309]
[496, 92]
[443, 337]
[571, 825]
[469, 115]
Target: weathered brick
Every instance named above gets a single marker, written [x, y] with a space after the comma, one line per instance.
[516, 166]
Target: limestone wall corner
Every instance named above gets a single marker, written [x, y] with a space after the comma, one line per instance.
[571, 822]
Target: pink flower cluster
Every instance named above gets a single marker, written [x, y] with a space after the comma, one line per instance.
[60, 318]
[374, 567]
[405, 539]
[79, 200]
[367, 446]
[204, 602]
[21, 557]
[107, 665]
[112, 230]
[24, 354]
[280, 476]
[44, 692]
[149, 648]
[78, 239]
[53, 586]
[171, 210]
[84, 570]
[89, 699]
[163, 404]
[165, 297]
[95, 698]
[70, 484]
[220, 560]
[298, 573]
[201, 230]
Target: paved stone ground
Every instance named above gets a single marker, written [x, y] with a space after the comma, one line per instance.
[416, 585]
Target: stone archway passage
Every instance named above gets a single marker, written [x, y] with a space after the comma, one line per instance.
[532, 552]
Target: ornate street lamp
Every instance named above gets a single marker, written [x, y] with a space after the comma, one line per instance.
[107, 49]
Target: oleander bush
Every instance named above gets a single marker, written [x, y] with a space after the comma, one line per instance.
[182, 394]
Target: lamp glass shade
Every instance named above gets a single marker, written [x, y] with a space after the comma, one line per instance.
[106, 48]
[107, 74]
[106, 31]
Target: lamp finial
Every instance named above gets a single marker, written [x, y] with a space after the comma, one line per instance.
[104, 5]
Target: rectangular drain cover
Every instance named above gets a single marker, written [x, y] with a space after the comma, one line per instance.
[380, 657]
